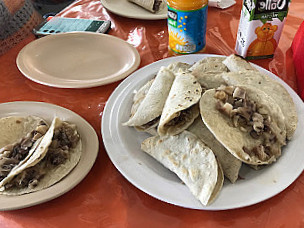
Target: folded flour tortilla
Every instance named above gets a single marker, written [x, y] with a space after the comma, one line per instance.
[208, 72]
[236, 63]
[150, 108]
[179, 67]
[273, 89]
[56, 155]
[191, 160]
[20, 137]
[229, 163]
[151, 5]
[207, 60]
[181, 107]
[139, 96]
[14, 128]
[254, 132]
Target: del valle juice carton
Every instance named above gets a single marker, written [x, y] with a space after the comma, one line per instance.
[260, 27]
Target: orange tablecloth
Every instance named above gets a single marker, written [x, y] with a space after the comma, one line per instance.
[105, 198]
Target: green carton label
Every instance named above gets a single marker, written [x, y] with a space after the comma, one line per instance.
[266, 10]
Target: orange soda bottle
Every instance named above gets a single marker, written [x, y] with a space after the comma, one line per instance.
[187, 25]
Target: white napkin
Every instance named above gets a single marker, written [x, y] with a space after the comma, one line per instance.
[222, 4]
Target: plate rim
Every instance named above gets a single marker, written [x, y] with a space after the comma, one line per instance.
[77, 83]
[150, 16]
[89, 156]
[120, 89]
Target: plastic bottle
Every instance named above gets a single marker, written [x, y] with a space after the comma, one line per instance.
[187, 25]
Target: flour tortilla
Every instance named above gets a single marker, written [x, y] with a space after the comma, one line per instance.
[208, 73]
[14, 128]
[207, 60]
[184, 95]
[20, 137]
[236, 63]
[140, 95]
[219, 183]
[153, 103]
[179, 67]
[233, 139]
[191, 160]
[273, 89]
[52, 175]
[229, 163]
[138, 98]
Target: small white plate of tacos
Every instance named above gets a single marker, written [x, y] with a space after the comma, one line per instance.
[46, 150]
[139, 9]
[126, 138]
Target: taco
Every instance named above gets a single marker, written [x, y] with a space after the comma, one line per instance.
[140, 95]
[210, 64]
[191, 160]
[181, 107]
[56, 155]
[151, 5]
[246, 121]
[147, 114]
[208, 72]
[19, 138]
[137, 99]
[179, 67]
[14, 128]
[236, 63]
[207, 60]
[229, 163]
[273, 89]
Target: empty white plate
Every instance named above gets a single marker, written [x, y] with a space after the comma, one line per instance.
[77, 60]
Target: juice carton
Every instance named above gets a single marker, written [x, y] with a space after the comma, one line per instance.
[260, 27]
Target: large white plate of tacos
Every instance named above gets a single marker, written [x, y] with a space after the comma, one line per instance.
[205, 132]
[46, 150]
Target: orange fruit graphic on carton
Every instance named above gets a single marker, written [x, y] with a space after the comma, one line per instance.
[264, 44]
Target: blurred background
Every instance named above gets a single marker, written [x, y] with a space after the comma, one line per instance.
[50, 6]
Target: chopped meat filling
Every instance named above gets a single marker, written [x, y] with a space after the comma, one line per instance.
[248, 117]
[13, 154]
[156, 5]
[28, 178]
[6, 165]
[64, 139]
[149, 124]
[181, 118]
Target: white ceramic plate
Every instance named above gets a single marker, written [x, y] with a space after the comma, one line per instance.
[90, 148]
[77, 60]
[123, 147]
[127, 9]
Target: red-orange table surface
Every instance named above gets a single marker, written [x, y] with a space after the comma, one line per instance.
[105, 198]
